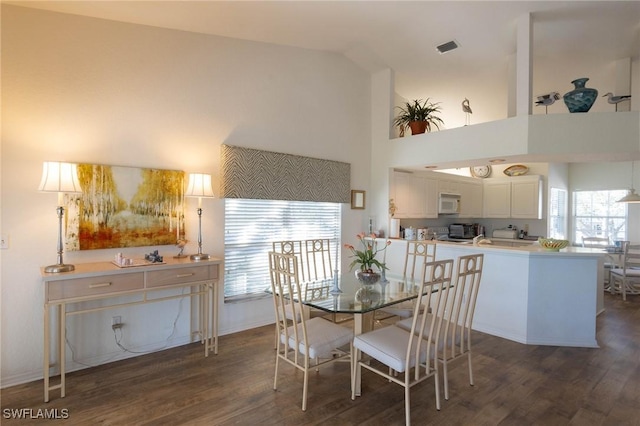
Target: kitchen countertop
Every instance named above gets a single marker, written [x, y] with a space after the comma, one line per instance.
[531, 249]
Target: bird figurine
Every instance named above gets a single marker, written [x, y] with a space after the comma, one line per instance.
[181, 243]
[467, 110]
[612, 99]
[547, 100]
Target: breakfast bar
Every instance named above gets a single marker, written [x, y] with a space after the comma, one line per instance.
[530, 295]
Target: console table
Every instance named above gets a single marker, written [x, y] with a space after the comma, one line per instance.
[105, 280]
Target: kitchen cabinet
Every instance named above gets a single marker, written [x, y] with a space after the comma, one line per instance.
[526, 198]
[415, 196]
[449, 186]
[496, 199]
[518, 198]
[471, 198]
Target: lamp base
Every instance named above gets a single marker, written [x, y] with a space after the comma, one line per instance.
[59, 268]
[199, 256]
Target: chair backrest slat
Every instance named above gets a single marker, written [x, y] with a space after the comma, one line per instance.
[436, 279]
[461, 305]
[285, 286]
[418, 253]
[318, 259]
[314, 257]
[631, 255]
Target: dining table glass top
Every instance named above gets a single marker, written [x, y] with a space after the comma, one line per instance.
[356, 298]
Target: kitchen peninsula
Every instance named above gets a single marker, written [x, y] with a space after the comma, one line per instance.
[530, 295]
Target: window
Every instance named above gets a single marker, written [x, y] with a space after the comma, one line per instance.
[557, 213]
[252, 225]
[597, 214]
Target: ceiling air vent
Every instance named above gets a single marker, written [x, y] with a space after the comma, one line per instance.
[448, 46]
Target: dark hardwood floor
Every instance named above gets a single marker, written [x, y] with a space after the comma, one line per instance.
[515, 384]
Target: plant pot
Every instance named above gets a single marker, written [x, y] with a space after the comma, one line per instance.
[418, 127]
[581, 98]
[367, 278]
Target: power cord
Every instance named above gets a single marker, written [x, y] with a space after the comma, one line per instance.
[119, 338]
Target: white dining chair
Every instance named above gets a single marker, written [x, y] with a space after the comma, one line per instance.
[610, 263]
[626, 279]
[300, 343]
[455, 338]
[407, 357]
[418, 253]
[318, 260]
[295, 248]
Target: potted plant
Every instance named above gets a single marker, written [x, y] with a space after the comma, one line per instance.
[419, 116]
[365, 259]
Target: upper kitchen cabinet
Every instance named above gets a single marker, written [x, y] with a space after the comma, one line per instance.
[471, 199]
[517, 197]
[415, 196]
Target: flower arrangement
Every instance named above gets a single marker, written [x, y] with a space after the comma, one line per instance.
[366, 258]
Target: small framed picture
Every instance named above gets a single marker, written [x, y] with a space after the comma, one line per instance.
[357, 199]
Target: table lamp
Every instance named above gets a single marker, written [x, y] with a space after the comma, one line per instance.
[61, 178]
[199, 186]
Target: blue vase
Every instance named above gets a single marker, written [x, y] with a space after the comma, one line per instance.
[581, 98]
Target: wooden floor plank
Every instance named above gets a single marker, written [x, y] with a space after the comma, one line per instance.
[515, 384]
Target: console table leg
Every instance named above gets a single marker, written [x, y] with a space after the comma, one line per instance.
[63, 337]
[45, 358]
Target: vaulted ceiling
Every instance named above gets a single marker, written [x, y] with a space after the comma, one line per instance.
[402, 35]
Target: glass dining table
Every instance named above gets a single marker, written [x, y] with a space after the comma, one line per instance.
[357, 299]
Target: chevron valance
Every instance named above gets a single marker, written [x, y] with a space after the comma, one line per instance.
[265, 175]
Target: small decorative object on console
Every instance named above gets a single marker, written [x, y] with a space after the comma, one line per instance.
[153, 257]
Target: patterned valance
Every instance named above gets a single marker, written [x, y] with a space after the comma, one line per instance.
[265, 175]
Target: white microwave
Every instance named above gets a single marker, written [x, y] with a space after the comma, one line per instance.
[449, 203]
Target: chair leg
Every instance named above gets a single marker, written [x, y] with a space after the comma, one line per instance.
[436, 378]
[275, 376]
[355, 372]
[470, 369]
[445, 377]
[407, 402]
[305, 386]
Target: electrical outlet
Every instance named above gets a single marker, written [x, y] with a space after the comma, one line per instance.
[116, 322]
[4, 241]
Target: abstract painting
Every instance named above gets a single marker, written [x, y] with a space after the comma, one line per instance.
[125, 207]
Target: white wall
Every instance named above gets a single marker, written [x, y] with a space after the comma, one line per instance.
[86, 90]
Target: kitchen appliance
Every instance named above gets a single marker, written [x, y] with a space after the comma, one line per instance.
[462, 230]
[507, 233]
[449, 203]
[409, 233]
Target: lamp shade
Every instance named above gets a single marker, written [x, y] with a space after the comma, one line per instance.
[631, 197]
[59, 177]
[199, 185]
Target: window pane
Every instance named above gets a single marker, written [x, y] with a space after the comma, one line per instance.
[252, 225]
[597, 214]
[558, 213]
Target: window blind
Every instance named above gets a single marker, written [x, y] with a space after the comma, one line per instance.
[252, 225]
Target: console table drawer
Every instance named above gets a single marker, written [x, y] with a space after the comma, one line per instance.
[82, 287]
[177, 276]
